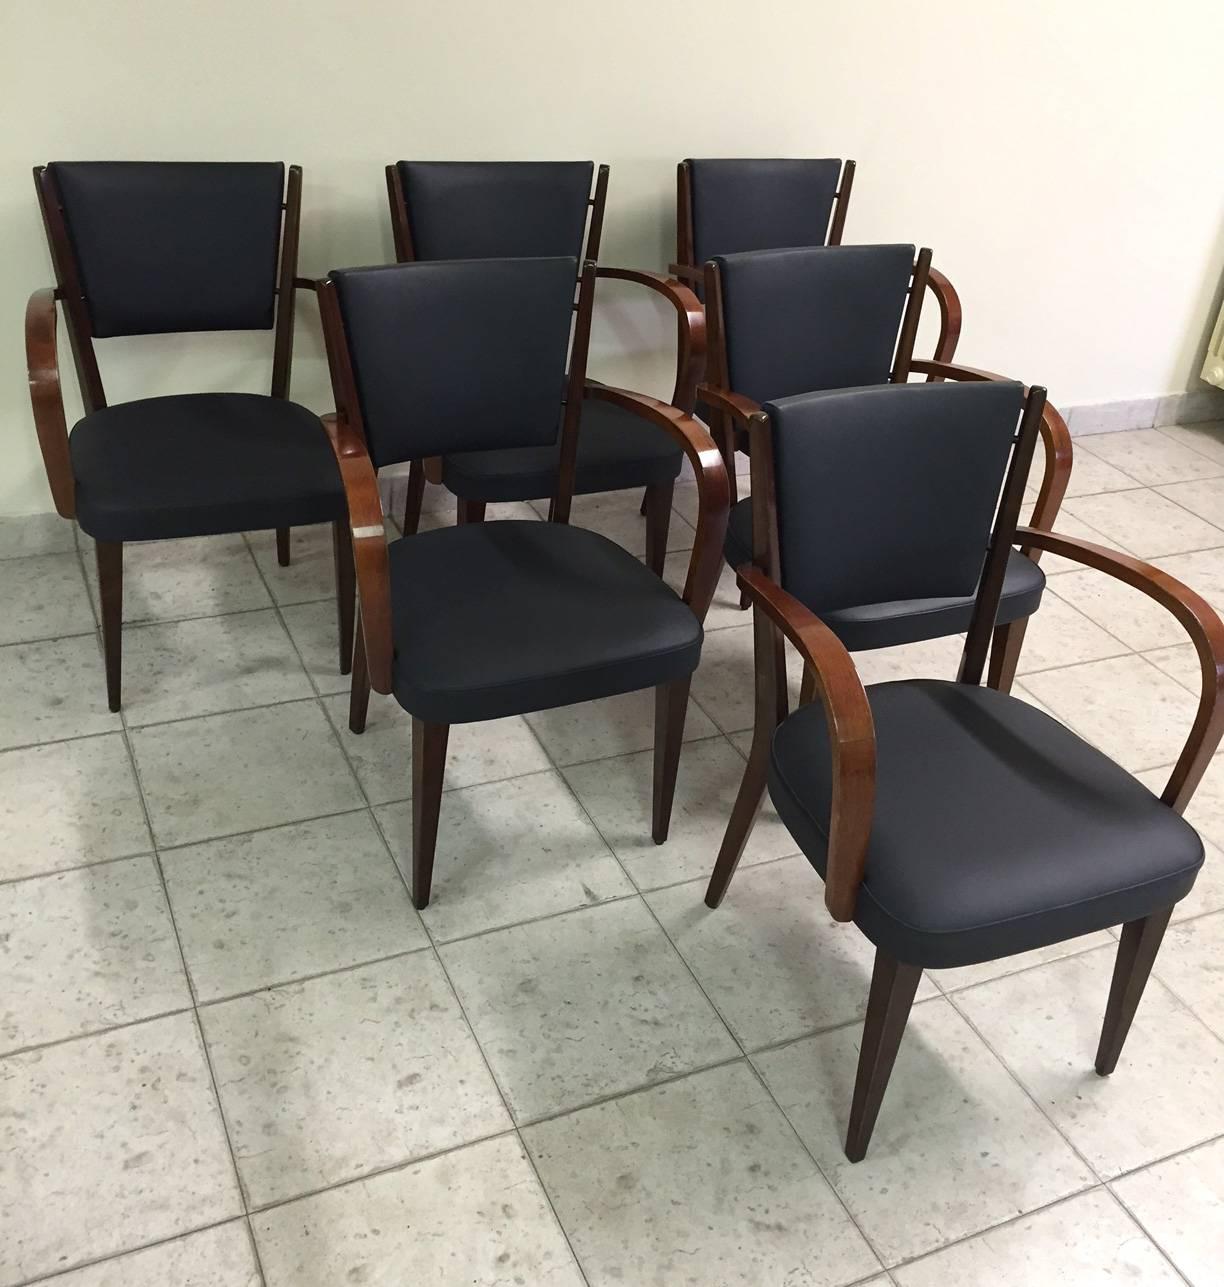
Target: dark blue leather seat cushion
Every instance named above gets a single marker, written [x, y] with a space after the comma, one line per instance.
[200, 464]
[996, 829]
[501, 618]
[616, 449]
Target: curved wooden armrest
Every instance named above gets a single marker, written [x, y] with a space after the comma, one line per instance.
[713, 486]
[47, 399]
[739, 408]
[1201, 623]
[688, 273]
[369, 547]
[1055, 438]
[949, 314]
[691, 349]
[851, 735]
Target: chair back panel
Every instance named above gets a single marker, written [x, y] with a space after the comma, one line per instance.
[170, 246]
[825, 317]
[496, 209]
[741, 205]
[458, 355]
[889, 493]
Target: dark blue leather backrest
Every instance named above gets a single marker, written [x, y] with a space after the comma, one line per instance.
[759, 204]
[496, 209]
[889, 493]
[166, 246]
[458, 355]
[825, 317]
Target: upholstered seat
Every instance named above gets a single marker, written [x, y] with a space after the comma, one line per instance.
[881, 625]
[202, 463]
[500, 618]
[995, 828]
[616, 450]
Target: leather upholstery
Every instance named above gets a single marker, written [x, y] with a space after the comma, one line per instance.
[889, 492]
[500, 618]
[756, 204]
[616, 450]
[825, 317]
[996, 829]
[881, 625]
[200, 464]
[461, 355]
[165, 246]
[496, 209]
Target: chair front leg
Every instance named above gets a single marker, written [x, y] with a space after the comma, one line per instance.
[469, 511]
[893, 985]
[1005, 645]
[110, 592]
[658, 503]
[359, 689]
[1136, 953]
[282, 546]
[671, 707]
[428, 771]
[346, 590]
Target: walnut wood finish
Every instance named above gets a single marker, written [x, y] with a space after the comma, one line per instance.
[286, 299]
[713, 490]
[1007, 517]
[671, 707]
[949, 316]
[841, 204]
[47, 399]
[893, 985]
[109, 555]
[428, 770]
[1197, 617]
[1136, 954]
[567, 464]
[598, 204]
[657, 507]
[912, 315]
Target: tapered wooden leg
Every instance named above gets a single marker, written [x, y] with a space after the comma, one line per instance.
[745, 600]
[807, 689]
[743, 816]
[893, 985]
[658, 519]
[1136, 952]
[416, 495]
[645, 502]
[282, 546]
[671, 706]
[724, 438]
[469, 511]
[110, 591]
[359, 689]
[346, 590]
[1005, 645]
[428, 770]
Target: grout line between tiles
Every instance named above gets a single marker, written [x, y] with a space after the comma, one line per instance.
[1133, 1216]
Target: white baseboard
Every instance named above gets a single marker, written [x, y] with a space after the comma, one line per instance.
[1190, 407]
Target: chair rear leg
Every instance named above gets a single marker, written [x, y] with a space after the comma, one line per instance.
[428, 770]
[282, 546]
[359, 689]
[658, 504]
[1136, 952]
[893, 985]
[743, 818]
[469, 511]
[110, 592]
[1005, 645]
[671, 707]
[415, 497]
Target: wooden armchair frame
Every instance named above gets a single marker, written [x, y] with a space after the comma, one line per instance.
[836, 684]
[375, 646]
[50, 419]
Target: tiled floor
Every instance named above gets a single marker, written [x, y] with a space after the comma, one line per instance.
[232, 1053]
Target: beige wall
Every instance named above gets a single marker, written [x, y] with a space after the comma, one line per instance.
[1062, 159]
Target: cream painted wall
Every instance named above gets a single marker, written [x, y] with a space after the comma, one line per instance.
[1062, 158]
